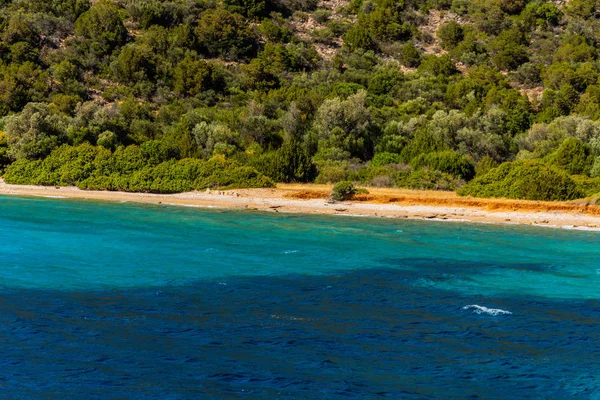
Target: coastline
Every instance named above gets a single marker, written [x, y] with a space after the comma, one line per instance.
[387, 203]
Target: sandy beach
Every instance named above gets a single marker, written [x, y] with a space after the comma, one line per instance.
[380, 202]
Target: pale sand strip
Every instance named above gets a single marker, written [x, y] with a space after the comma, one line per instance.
[279, 200]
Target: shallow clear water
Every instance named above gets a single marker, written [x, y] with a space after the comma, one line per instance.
[103, 300]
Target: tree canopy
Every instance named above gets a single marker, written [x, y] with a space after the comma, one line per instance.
[408, 93]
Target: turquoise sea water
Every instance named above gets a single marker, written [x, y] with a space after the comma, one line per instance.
[104, 300]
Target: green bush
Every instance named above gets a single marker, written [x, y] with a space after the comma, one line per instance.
[380, 159]
[103, 26]
[410, 55]
[427, 179]
[424, 142]
[4, 156]
[221, 33]
[343, 190]
[595, 171]
[588, 186]
[335, 171]
[485, 165]
[573, 156]
[451, 34]
[192, 77]
[322, 35]
[133, 170]
[438, 65]
[248, 8]
[448, 161]
[321, 15]
[290, 163]
[358, 37]
[527, 179]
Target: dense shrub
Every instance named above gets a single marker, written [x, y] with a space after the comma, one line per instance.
[133, 170]
[380, 159]
[588, 186]
[427, 179]
[358, 38]
[448, 161]
[451, 34]
[102, 25]
[410, 55]
[343, 190]
[290, 163]
[248, 8]
[531, 180]
[573, 156]
[4, 156]
[335, 171]
[35, 132]
[221, 33]
[438, 65]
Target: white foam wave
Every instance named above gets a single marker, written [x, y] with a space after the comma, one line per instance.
[581, 228]
[477, 309]
[291, 251]
[288, 317]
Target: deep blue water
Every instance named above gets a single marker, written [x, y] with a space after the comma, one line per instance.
[103, 300]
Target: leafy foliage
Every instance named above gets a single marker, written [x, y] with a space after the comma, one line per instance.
[387, 93]
[149, 168]
[451, 34]
[531, 180]
[448, 161]
[343, 190]
[222, 33]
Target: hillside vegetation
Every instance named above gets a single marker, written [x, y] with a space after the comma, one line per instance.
[493, 98]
